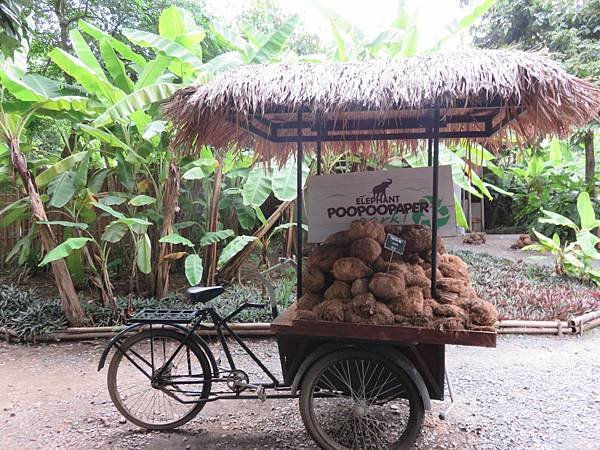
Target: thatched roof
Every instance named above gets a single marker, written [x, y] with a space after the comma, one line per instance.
[482, 95]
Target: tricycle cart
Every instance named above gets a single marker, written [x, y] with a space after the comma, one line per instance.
[359, 386]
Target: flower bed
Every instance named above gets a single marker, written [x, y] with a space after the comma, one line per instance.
[527, 291]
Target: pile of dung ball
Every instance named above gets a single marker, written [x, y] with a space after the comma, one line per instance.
[351, 277]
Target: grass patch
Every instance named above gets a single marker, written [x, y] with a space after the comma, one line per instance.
[529, 291]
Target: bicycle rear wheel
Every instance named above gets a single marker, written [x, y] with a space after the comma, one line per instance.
[152, 401]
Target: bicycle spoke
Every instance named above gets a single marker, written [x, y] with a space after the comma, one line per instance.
[150, 400]
[355, 404]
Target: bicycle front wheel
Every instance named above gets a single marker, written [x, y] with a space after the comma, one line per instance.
[152, 392]
[353, 399]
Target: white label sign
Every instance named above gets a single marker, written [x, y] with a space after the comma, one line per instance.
[400, 196]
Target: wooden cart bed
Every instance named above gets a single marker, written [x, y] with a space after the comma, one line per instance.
[285, 324]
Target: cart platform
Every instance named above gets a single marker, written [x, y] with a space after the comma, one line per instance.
[285, 324]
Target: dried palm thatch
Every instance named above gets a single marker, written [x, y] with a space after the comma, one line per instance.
[487, 96]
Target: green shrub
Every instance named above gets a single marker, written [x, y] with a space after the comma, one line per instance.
[23, 312]
[29, 315]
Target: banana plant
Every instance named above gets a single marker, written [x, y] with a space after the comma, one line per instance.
[125, 86]
[265, 242]
[194, 267]
[402, 38]
[24, 96]
[575, 258]
[113, 233]
[253, 46]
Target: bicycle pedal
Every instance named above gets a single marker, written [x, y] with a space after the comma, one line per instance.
[261, 393]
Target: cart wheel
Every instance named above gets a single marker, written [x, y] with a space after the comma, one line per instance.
[154, 402]
[357, 400]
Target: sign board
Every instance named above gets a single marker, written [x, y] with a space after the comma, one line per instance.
[394, 244]
[400, 196]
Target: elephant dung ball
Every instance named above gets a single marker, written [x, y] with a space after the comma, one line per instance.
[303, 314]
[338, 290]
[308, 301]
[367, 249]
[324, 256]
[482, 313]
[330, 310]
[350, 268]
[363, 228]
[382, 315]
[359, 286]
[409, 304]
[339, 238]
[313, 279]
[386, 286]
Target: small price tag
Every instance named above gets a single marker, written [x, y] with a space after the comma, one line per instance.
[394, 244]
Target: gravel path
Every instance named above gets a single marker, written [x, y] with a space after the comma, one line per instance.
[498, 245]
[529, 393]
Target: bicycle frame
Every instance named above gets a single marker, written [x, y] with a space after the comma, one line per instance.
[219, 324]
[220, 327]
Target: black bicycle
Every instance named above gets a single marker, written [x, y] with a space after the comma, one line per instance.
[352, 394]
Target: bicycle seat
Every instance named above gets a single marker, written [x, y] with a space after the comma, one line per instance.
[200, 294]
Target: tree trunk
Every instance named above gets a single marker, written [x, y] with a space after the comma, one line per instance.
[590, 161]
[290, 235]
[71, 305]
[211, 251]
[63, 24]
[100, 280]
[170, 208]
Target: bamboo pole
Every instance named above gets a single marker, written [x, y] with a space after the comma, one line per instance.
[591, 324]
[65, 336]
[527, 330]
[533, 327]
[577, 323]
[574, 321]
[530, 323]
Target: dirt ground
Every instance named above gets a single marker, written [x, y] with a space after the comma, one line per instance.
[529, 393]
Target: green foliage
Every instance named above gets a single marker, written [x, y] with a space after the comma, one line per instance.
[216, 236]
[402, 38]
[29, 315]
[548, 177]
[267, 16]
[14, 27]
[175, 238]
[233, 248]
[25, 313]
[463, 175]
[193, 269]
[574, 258]
[65, 249]
[569, 29]
[99, 100]
[144, 254]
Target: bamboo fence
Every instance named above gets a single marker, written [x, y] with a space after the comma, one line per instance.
[575, 326]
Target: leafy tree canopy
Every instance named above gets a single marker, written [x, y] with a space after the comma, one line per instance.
[568, 28]
[267, 16]
[53, 19]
